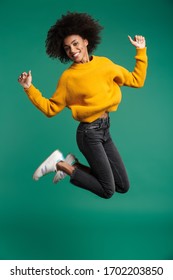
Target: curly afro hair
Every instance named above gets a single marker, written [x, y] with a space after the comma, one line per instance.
[72, 23]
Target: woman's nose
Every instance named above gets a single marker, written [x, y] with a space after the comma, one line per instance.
[72, 49]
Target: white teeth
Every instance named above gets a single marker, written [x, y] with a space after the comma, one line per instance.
[76, 54]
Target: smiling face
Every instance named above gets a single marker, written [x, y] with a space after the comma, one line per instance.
[76, 48]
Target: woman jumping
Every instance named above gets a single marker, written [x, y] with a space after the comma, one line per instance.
[90, 88]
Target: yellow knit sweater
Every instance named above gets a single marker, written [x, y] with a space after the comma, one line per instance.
[92, 88]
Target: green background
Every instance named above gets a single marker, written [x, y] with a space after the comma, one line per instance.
[40, 220]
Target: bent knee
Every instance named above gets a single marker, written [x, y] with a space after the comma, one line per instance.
[108, 195]
[125, 189]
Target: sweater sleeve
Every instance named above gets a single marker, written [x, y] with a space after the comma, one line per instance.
[137, 77]
[52, 106]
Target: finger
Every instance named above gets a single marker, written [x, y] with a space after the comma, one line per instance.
[139, 38]
[22, 76]
[130, 38]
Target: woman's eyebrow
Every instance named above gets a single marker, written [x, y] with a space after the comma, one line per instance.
[70, 43]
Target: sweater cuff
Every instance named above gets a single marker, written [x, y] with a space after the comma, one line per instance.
[29, 90]
[141, 51]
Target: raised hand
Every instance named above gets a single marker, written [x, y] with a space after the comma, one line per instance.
[25, 79]
[138, 41]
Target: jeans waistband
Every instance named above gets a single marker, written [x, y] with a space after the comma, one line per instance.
[101, 122]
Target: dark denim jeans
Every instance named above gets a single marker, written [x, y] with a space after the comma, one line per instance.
[108, 174]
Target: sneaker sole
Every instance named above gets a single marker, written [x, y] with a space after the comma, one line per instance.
[39, 173]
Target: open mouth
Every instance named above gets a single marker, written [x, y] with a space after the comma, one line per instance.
[75, 55]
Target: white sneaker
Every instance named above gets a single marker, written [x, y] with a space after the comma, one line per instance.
[49, 165]
[70, 159]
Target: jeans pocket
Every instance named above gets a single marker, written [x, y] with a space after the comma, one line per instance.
[95, 135]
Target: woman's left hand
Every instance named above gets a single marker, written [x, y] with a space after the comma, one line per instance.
[138, 42]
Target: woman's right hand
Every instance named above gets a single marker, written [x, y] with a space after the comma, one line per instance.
[25, 79]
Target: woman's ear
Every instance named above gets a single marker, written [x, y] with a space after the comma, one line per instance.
[86, 42]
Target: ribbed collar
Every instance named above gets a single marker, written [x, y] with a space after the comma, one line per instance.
[86, 65]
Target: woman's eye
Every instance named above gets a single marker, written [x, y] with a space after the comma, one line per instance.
[75, 44]
[66, 49]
